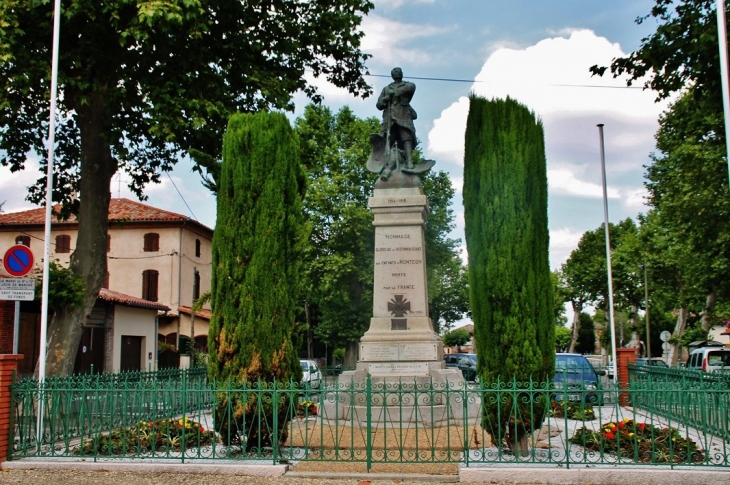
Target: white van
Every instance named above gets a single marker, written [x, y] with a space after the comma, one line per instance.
[709, 359]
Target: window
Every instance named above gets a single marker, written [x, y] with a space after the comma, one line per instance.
[24, 240]
[149, 284]
[197, 248]
[196, 285]
[151, 241]
[63, 243]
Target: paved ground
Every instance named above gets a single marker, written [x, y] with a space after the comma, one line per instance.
[114, 473]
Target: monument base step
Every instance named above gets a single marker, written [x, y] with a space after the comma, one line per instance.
[402, 415]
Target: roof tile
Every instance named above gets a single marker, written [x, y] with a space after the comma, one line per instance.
[117, 297]
[119, 210]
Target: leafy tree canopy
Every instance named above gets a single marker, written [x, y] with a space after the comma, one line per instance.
[143, 82]
[682, 51]
[456, 338]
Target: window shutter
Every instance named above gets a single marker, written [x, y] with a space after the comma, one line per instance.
[149, 284]
[151, 241]
[63, 243]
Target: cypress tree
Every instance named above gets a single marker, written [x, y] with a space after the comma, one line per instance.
[505, 205]
[257, 247]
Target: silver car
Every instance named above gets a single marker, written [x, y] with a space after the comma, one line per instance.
[311, 375]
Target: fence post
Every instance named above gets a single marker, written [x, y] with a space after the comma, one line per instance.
[624, 356]
[8, 365]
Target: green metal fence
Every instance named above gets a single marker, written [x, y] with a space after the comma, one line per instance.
[678, 422]
[697, 399]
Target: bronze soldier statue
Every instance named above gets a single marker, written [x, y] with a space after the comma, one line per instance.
[398, 115]
[394, 145]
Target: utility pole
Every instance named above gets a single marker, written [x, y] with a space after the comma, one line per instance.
[646, 315]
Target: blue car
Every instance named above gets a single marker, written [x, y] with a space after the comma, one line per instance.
[576, 380]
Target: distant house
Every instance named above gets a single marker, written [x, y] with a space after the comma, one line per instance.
[158, 263]
[720, 333]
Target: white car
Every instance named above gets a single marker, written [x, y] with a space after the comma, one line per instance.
[311, 375]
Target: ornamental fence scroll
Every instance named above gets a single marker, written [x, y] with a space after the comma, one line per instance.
[671, 419]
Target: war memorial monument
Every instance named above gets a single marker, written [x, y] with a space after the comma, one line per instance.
[400, 353]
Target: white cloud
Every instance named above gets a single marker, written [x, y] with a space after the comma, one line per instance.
[552, 78]
[13, 186]
[565, 182]
[562, 243]
[396, 4]
[634, 200]
[387, 40]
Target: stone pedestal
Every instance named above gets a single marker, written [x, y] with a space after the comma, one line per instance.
[400, 351]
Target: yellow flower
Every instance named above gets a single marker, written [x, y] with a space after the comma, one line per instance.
[631, 435]
[626, 420]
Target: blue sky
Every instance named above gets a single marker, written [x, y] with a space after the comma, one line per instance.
[536, 51]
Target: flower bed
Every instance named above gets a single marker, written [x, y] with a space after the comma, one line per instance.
[641, 442]
[148, 436]
[306, 408]
[570, 410]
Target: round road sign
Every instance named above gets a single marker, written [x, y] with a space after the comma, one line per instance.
[665, 336]
[18, 260]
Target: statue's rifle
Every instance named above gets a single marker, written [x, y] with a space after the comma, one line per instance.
[387, 132]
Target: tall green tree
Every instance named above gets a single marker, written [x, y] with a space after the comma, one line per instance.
[144, 82]
[586, 336]
[688, 186]
[585, 278]
[511, 293]
[257, 262]
[683, 55]
[339, 273]
[456, 338]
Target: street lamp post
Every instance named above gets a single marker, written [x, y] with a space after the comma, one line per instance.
[646, 315]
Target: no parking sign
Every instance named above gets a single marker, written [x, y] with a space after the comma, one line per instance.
[18, 260]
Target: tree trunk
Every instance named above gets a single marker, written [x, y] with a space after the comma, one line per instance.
[678, 331]
[518, 444]
[577, 308]
[89, 257]
[351, 352]
[706, 319]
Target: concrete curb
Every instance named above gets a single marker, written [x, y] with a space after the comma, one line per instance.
[411, 477]
[595, 476]
[256, 470]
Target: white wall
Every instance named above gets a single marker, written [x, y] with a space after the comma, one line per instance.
[138, 322]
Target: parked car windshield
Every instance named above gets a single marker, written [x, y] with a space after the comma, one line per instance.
[305, 365]
[571, 363]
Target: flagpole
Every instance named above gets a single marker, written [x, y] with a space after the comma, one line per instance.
[47, 232]
[722, 43]
[608, 256]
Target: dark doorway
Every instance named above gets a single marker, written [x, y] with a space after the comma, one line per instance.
[28, 342]
[131, 353]
[91, 351]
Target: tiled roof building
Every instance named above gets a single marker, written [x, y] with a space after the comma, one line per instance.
[157, 260]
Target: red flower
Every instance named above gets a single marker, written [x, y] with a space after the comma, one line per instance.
[609, 436]
[642, 426]
[621, 424]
